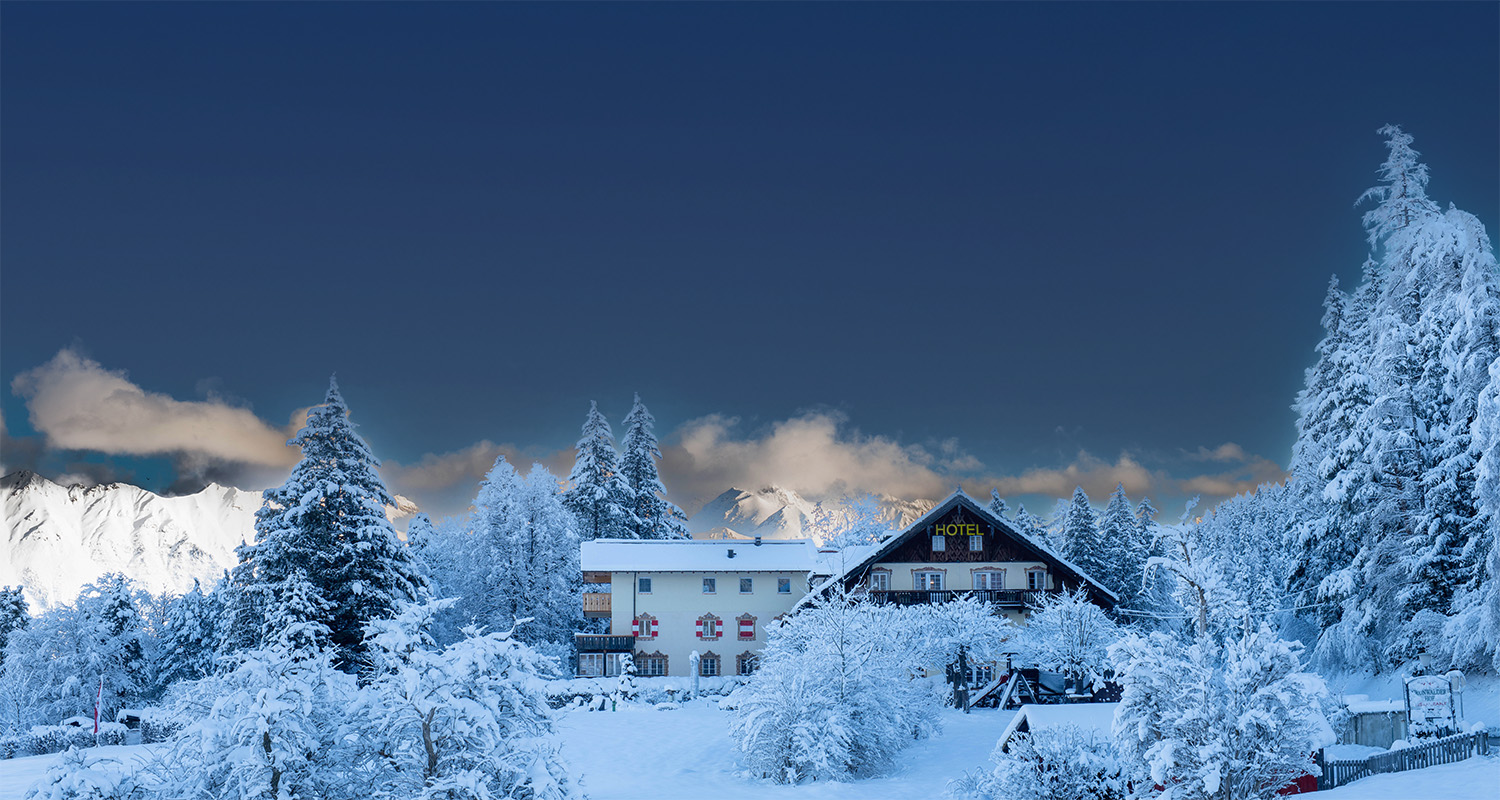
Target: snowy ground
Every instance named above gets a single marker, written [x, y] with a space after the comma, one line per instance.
[1474, 779]
[648, 754]
[639, 753]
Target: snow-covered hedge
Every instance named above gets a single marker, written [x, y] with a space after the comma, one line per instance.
[1061, 763]
[584, 692]
[44, 739]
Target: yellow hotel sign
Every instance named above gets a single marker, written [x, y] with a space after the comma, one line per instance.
[958, 529]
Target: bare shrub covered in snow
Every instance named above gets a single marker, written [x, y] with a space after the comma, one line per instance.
[1068, 633]
[1061, 763]
[468, 721]
[838, 695]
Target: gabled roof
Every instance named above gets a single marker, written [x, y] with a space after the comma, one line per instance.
[688, 555]
[961, 498]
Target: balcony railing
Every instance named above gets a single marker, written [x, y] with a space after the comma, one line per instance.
[595, 604]
[596, 643]
[1004, 598]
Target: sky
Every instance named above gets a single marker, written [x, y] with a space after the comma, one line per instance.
[835, 247]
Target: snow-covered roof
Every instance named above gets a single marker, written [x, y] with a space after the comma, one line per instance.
[686, 555]
[1098, 717]
[872, 553]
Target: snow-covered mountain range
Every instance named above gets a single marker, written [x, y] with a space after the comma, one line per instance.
[774, 512]
[58, 538]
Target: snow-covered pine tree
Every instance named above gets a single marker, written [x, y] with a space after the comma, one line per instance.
[1030, 524]
[189, 637]
[525, 549]
[242, 602]
[998, 506]
[1057, 524]
[654, 517]
[13, 615]
[329, 521]
[598, 495]
[1123, 559]
[1081, 542]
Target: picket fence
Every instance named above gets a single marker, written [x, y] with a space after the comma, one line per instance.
[1439, 751]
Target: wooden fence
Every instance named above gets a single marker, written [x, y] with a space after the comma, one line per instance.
[1439, 751]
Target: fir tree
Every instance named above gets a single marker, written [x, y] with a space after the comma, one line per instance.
[1081, 543]
[189, 637]
[13, 615]
[654, 517]
[1029, 524]
[328, 521]
[1122, 558]
[598, 496]
[998, 507]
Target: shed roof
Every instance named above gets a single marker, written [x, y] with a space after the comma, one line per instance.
[686, 555]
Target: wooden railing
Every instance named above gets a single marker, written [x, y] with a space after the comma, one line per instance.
[1006, 598]
[596, 643]
[1439, 751]
[596, 603]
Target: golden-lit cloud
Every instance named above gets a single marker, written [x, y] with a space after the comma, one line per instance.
[77, 404]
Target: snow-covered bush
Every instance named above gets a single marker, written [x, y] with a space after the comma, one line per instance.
[1068, 633]
[1061, 763]
[468, 721]
[835, 696]
[273, 733]
[74, 777]
[1227, 721]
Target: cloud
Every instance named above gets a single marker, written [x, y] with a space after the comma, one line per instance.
[77, 404]
[445, 483]
[1097, 477]
[815, 455]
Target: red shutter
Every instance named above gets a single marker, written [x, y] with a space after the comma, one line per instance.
[700, 629]
[654, 629]
[635, 627]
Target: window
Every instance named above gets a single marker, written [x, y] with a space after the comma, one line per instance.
[745, 663]
[645, 627]
[709, 627]
[783, 585]
[989, 580]
[643, 585]
[928, 581]
[976, 542]
[710, 585]
[746, 585]
[746, 627]
[1036, 580]
[708, 665]
[590, 665]
[939, 543]
[880, 581]
[981, 675]
[653, 665]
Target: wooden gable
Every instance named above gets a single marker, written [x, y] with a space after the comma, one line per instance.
[956, 526]
[956, 519]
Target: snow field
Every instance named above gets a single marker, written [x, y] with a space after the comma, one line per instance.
[641, 753]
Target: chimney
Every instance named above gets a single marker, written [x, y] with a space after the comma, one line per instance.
[757, 540]
[731, 552]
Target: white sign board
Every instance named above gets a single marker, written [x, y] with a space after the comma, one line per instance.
[1429, 698]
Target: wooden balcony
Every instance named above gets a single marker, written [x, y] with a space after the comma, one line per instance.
[1002, 598]
[597, 643]
[596, 605]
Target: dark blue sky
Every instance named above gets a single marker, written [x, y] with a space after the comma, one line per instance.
[1035, 229]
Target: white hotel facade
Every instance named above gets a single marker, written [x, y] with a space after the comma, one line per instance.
[667, 599]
